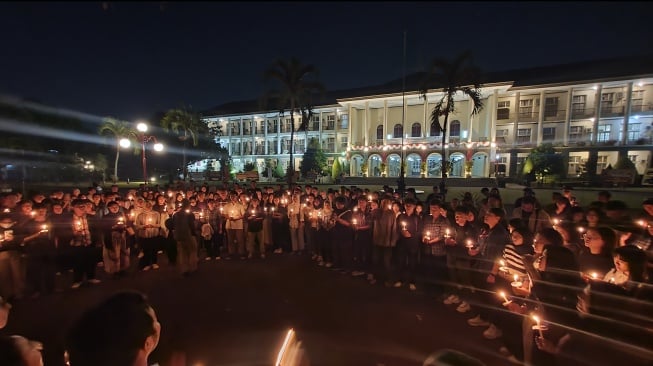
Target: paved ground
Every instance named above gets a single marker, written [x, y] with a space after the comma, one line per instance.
[237, 312]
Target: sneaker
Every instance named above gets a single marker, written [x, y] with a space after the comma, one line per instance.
[100, 264]
[159, 252]
[477, 322]
[140, 255]
[370, 277]
[412, 287]
[492, 332]
[262, 256]
[328, 265]
[207, 258]
[94, 281]
[320, 263]
[278, 251]
[452, 299]
[218, 258]
[155, 266]
[357, 273]
[372, 282]
[463, 307]
[398, 284]
[76, 285]
[146, 268]
[250, 256]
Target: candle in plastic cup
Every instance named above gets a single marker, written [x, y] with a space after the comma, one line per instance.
[505, 298]
[539, 327]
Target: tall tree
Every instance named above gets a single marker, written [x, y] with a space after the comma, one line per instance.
[459, 76]
[295, 84]
[187, 125]
[314, 159]
[119, 130]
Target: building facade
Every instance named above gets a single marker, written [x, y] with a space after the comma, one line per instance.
[603, 109]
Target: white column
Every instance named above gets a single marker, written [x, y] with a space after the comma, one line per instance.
[595, 125]
[426, 125]
[403, 120]
[385, 122]
[366, 124]
[540, 119]
[350, 130]
[629, 97]
[516, 124]
[565, 135]
[265, 134]
[470, 107]
[493, 124]
[229, 125]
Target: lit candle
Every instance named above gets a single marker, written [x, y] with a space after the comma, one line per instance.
[556, 222]
[403, 225]
[6, 210]
[469, 244]
[516, 282]
[121, 220]
[170, 194]
[187, 211]
[505, 298]
[447, 233]
[539, 326]
[44, 228]
[291, 211]
[369, 197]
[581, 229]
[78, 225]
[272, 209]
[221, 209]
[201, 214]
[502, 263]
[355, 209]
[354, 222]
[428, 235]
[594, 275]
[265, 209]
[303, 205]
[253, 212]
[389, 207]
[641, 223]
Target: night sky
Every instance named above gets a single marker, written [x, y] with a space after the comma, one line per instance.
[131, 60]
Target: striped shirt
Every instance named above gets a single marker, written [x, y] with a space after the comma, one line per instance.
[513, 255]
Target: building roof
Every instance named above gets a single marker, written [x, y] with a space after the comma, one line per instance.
[570, 73]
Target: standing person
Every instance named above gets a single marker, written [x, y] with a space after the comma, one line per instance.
[255, 228]
[41, 253]
[296, 223]
[436, 229]
[384, 238]
[170, 244]
[534, 219]
[183, 226]
[410, 236]
[216, 220]
[79, 233]
[115, 251]
[234, 211]
[148, 229]
[489, 247]
[362, 236]
[11, 279]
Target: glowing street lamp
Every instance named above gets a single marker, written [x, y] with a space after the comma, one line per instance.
[142, 128]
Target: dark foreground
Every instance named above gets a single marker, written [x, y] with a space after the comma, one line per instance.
[237, 313]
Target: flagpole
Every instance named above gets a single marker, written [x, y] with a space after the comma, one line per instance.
[402, 180]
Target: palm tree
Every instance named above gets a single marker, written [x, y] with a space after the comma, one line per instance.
[293, 94]
[187, 125]
[452, 78]
[119, 130]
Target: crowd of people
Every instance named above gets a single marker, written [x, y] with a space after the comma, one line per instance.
[550, 279]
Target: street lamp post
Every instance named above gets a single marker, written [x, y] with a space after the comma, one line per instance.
[142, 128]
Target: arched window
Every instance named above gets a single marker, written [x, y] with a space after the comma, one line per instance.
[398, 131]
[454, 129]
[379, 132]
[434, 130]
[416, 130]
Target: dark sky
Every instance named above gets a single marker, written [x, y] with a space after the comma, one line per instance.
[130, 60]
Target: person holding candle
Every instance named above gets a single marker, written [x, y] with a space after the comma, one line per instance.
[234, 212]
[115, 252]
[458, 259]
[79, 232]
[40, 252]
[341, 235]
[255, 228]
[280, 227]
[216, 220]
[436, 230]
[362, 239]
[12, 282]
[489, 247]
[597, 254]
[148, 230]
[384, 238]
[296, 223]
[410, 237]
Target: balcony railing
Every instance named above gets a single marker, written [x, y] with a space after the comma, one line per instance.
[582, 113]
[641, 107]
[612, 111]
[555, 115]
